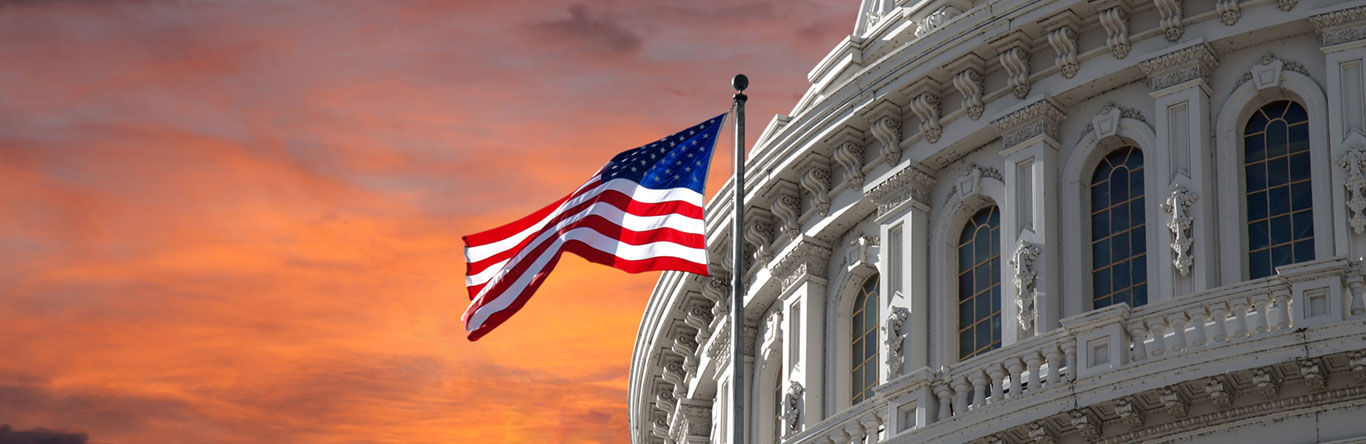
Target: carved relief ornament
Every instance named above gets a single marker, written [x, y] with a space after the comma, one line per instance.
[1193, 62]
[909, 183]
[1354, 163]
[896, 339]
[1178, 206]
[1338, 27]
[1025, 276]
[1042, 117]
[792, 407]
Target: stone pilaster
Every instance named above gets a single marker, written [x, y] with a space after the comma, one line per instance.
[903, 214]
[1029, 216]
[1182, 159]
[1343, 33]
[803, 292]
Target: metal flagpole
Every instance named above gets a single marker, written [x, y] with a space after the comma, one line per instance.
[737, 283]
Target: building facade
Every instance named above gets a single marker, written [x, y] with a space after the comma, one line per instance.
[1045, 221]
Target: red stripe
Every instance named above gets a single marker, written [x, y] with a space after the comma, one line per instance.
[510, 229]
[612, 197]
[520, 267]
[592, 255]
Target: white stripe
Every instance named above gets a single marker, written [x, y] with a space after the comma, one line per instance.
[614, 215]
[593, 239]
[638, 193]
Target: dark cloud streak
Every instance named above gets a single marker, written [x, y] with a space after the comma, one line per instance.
[600, 33]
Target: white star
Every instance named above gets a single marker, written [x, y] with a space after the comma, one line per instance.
[675, 177]
[687, 169]
[633, 169]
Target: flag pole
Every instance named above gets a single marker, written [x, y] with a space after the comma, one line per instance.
[737, 283]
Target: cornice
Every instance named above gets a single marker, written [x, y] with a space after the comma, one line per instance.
[911, 183]
[1342, 26]
[1042, 116]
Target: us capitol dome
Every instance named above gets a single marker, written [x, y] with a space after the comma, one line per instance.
[1041, 221]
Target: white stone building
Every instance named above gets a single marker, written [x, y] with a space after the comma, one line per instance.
[1042, 221]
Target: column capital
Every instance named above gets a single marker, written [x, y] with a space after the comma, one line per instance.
[1192, 61]
[911, 183]
[807, 256]
[1341, 26]
[1040, 117]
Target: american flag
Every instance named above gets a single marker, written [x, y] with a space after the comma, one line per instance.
[640, 212]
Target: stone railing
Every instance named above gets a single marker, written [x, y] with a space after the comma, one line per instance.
[931, 405]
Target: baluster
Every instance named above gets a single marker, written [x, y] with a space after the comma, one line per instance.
[945, 394]
[1282, 296]
[997, 373]
[1033, 360]
[1219, 312]
[1240, 323]
[1016, 368]
[1198, 317]
[1158, 327]
[1139, 334]
[1260, 323]
[960, 398]
[1178, 323]
[856, 432]
[872, 423]
[1069, 350]
[1054, 357]
[1355, 284]
[979, 388]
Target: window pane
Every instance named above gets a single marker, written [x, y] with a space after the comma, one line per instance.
[1119, 218]
[1138, 237]
[965, 285]
[1304, 251]
[1119, 185]
[1299, 138]
[1253, 148]
[1280, 230]
[1257, 237]
[1278, 199]
[1276, 139]
[1122, 277]
[1121, 296]
[1100, 282]
[1295, 113]
[965, 312]
[979, 283]
[1256, 124]
[982, 244]
[965, 343]
[1256, 176]
[1102, 172]
[983, 337]
[1259, 264]
[983, 280]
[1140, 269]
[1100, 253]
[1119, 247]
[1100, 196]
[1301, 196]
[1275, 109]
[1140, 295]
[1136, 211]
[1304, 225]
[1277, 172]
[1282, 255]
[1100, 225]
[1256, 206]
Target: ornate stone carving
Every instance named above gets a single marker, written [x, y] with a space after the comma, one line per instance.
[1265, 382]
[1178, 205]
[906, 184]
[1287, 5]
[1064, 43]
[699, 318]
[1042, 117]
[935, 20]
[1116, 24]
[1357, 362]
[692, 423]
[1229, 11]
[1016, 63]
[660, 428]
[1174, 402]
[759, 234]
[1040, 433]
[816, 182]
[788, 210]
[806, 257]
[718, 290]
[675, 374]
[896, 338]
[686, 346]
[1023, 262]
[665, 400]
[720, 348]
[969, 84]
[1314, 376]
[926, 107]
[1340, 27]
[850, 156]
[1129, 412]
[1354, 163]
[792, 407]
[1219, 393]
[1190, 63]
[887, 130]
[1086, 425]
[1106, 122]
[1170, 10]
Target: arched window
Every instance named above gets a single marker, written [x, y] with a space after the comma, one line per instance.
[864, 337]
[1280, 213]
[979, 284]
[1119, 252]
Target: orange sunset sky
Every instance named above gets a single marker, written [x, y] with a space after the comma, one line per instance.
[239, 221]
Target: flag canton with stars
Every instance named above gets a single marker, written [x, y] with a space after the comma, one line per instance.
[677, 161]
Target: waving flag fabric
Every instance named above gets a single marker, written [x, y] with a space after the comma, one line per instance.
[640, 212]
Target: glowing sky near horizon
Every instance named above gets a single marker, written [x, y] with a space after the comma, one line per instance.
[239, 221]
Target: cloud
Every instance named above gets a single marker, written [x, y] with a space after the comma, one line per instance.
[39, 436]
[600, 34]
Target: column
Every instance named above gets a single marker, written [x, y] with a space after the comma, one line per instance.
[903, 214]
[1345, 54]
[1030, 250]
[1183, 159]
